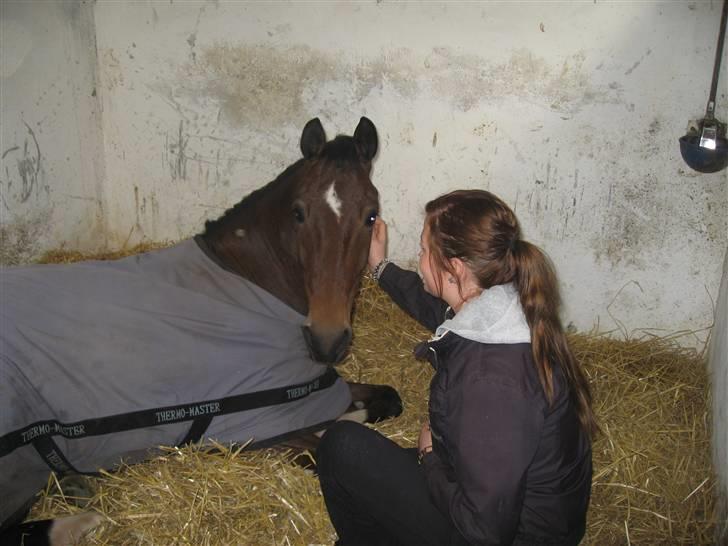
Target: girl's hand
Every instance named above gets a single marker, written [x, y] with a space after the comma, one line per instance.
[425, 441]
[378, 246]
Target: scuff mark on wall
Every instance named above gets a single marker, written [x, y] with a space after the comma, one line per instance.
[146, 209]
[469, 79]
[177, 157]
[268, 85]
[397, 68]
[28, 166]
[638, 62]
[19, 239]
[630, 221]
[638, 208]
[110, 69]
[192, 38]
[514, 145]
[215, 159]
[407, 134]
[256, 84]
[137, 224]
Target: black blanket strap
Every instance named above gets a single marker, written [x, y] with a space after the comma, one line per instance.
[205, 411]
[52, 455]
[198, 428]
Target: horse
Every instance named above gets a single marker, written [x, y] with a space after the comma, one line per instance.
[232, 335]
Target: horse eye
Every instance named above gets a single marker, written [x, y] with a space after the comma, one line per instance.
[371, 219]
[298, 214]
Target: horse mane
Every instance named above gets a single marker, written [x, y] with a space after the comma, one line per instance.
[216, 227]
[342, 150]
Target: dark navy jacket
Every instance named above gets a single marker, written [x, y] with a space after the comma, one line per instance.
[507, 467]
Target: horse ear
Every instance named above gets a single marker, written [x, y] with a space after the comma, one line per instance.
[313, 138]
[366, 139]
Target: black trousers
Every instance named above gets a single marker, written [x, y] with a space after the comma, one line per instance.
[375, 491]
[376, 494]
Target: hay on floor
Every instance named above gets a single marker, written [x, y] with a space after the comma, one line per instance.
[653, 481]
[62, 256]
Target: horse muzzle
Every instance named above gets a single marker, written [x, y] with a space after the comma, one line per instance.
[327, 347]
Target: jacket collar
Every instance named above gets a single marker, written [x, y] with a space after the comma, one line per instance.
[496, 316]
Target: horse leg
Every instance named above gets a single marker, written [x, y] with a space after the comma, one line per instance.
[64, 531]
[303, 448]
[369, 404]
[379, 401]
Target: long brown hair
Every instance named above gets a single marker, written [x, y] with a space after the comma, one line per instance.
[478, 228]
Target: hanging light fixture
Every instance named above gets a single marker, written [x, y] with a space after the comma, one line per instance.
[705, 148]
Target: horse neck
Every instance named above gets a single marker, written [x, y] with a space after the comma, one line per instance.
[262, 265]
[261, 256]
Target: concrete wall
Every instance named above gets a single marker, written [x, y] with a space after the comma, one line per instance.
[718, 363]
[570, 111]
[51, 176]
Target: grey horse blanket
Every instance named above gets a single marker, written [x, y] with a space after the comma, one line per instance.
[167, 335]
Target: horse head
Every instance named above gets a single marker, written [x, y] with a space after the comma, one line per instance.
[305, 236]
[334, 213]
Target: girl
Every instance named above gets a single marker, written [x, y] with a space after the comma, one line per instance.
[506, 455]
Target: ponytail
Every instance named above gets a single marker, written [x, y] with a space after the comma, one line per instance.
[481, 230]
[537, 287]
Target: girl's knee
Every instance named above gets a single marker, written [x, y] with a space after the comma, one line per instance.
[344, 444]
[341, 435]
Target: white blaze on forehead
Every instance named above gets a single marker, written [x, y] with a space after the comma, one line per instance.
[333, 200]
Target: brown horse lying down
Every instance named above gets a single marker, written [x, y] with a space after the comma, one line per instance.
[231, 335]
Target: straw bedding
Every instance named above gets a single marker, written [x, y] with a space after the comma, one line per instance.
[653, 481]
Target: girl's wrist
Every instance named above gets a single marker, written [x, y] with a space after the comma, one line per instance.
[377, 270]
[423, 453]
[373, 263]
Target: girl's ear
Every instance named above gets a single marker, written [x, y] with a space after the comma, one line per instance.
[467, 281]
[460, 269]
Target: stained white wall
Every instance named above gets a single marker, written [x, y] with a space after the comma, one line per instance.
[51, 167]
[570, 111]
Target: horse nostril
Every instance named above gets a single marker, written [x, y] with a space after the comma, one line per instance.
[331, 348]
[312, 342]
[341, 346]
[307, 336]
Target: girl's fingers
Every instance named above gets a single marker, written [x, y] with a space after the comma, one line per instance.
[380, 230]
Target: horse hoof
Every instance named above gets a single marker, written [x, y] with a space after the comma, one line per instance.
[68, 531]
[386, 405]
